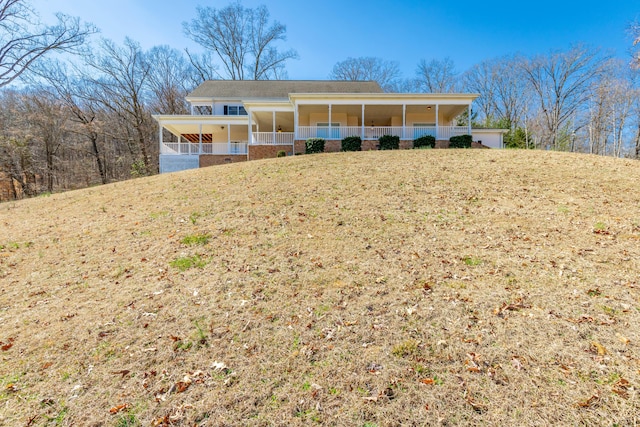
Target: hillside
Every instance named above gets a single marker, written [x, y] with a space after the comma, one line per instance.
[427, 287]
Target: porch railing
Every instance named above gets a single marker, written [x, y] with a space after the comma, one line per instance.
[272, 138]
[375, 132]
[177, 148]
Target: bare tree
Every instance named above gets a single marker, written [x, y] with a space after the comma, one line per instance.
[76, 94]
[16, 154]
[243, 39]
[22, 42]
[385, 72]
[437, 76]
[503, 91]
[634, 31]
[171, 78]
[611, 106]
[46, 128]
[120, 85]
[560, 83]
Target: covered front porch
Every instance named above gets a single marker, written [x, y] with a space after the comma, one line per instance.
[193, 135]
[370, 116]
[272, 123]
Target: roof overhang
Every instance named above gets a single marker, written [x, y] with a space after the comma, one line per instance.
[488, 130]
[207, 100]
[179, 125]
[268, 105]
[385, 98]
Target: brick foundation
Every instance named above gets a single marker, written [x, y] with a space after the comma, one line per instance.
[221, 159]
[257, 152]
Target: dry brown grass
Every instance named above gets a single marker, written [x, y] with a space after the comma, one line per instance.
[427, 287]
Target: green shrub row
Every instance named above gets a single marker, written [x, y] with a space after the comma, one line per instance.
[387, 142]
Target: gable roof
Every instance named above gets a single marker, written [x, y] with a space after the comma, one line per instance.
[243, 89]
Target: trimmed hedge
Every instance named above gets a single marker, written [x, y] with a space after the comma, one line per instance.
[460, 141]
[389, 142]
[352, 143]
[425, 141]
[281, 153]
[314, 145]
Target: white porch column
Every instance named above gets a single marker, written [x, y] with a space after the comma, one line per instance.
[295, 129]
[330, 134]
[250, 117]
[160, 137]
[404, 121]
[273, 138]
[228, 137]
[362, 131]
[179, 144]
[199, 140]
[437, 121]
[295, 122]
[469, 121]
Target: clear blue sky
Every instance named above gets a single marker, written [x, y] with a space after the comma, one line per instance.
[329, 31]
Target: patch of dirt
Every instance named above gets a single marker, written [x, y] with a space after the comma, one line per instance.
[426, 287]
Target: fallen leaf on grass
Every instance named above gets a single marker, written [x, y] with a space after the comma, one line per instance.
[4, 346]
[428, 381]
[182, 386]
[123, 372]
[11, 387]
[589, 402]
[472, 363]
[598, 348]
[374, 368]
[119, 408]
[624, 340]
[478, 407]
[218, 366]
[516, 363]
[621, 388]
[516, 306]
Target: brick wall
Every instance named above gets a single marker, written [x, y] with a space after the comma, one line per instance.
[257, 152]
[221, 159]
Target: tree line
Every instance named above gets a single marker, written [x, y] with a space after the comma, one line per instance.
[84, 117]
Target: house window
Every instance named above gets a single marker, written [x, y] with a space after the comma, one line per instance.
[234, 110]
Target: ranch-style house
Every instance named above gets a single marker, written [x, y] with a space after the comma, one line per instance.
[232, 121]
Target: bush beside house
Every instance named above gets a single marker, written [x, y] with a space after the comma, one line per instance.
[460, 141]
[352, 143]
[425, 142]
[389, 142]
[314, 145]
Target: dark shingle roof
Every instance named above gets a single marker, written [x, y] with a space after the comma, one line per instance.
[246, 89]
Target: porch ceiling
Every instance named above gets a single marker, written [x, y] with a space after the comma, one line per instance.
[380, 114]
[194, 129]
[264, 120]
